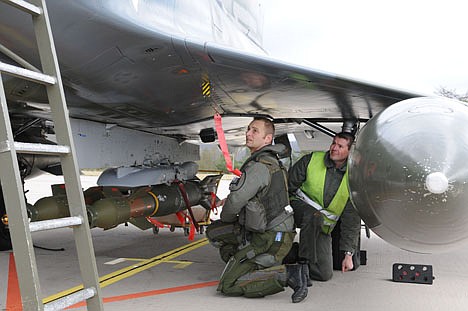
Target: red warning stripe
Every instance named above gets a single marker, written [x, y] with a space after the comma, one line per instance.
[13, 301]
[152, 293]
[223, 145]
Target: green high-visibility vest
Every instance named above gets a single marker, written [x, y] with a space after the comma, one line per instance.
[314, 185]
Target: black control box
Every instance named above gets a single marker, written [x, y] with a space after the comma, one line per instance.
[411, 273]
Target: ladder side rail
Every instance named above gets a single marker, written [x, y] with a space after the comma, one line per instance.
[18, 223]
[84, 245]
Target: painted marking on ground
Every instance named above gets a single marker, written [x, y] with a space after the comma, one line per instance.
[134, 269]
[13, 301]
[115, 261]
[179, 264]
[152, 293]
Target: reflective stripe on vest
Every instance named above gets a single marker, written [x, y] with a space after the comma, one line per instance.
[313, 188]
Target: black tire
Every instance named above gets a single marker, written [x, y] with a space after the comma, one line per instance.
[5, 240]
[155, 230]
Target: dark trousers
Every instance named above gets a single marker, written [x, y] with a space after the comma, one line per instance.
[314, 245]
[256, 262]
[338, 255]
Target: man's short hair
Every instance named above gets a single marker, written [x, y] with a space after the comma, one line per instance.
[348, 136]
[269, 125]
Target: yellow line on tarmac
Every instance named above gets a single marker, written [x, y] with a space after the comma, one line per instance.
[180, 264]
[133, 269]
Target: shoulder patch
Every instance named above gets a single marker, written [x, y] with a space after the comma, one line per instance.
[237, 182]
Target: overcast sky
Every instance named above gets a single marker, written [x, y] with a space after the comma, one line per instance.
[414, 45]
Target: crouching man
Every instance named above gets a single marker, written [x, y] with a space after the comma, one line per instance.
[256, 229]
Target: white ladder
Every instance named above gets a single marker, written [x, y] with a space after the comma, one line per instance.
[20, 228]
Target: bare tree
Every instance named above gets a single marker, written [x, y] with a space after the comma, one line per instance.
[452, 94]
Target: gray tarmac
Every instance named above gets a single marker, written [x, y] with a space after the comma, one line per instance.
[166, 271]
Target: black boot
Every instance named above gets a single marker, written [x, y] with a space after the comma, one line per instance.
[305, 273]
[295, 281]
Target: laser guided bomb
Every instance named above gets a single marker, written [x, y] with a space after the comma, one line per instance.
[130, 194]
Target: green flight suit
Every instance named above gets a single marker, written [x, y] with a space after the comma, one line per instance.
[254, 258]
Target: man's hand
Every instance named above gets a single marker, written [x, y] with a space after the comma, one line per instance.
[347, 264]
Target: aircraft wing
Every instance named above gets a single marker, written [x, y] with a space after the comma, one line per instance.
[127, 70]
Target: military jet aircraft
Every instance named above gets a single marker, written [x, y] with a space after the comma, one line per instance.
[143, 80]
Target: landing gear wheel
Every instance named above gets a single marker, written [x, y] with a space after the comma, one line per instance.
[155, 230]
[202, 229]
[172, 228]
[186, 231]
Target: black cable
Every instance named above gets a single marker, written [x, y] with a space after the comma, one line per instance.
[50, 249]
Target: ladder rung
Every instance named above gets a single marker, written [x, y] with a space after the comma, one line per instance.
[71, 299]
[35, 148]
[55, 223]
[27, 74]
[25, 6]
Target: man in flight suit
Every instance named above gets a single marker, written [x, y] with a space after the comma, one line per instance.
[259, 223]
[318, 185]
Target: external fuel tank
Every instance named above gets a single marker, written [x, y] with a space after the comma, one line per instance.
[408, 174]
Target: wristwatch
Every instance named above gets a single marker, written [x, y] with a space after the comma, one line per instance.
[348, 253]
